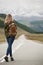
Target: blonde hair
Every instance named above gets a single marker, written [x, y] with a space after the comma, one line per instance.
[8, 18]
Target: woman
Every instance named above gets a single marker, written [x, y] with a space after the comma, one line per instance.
[9, 36]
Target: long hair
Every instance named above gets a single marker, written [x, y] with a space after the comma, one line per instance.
[8, 18]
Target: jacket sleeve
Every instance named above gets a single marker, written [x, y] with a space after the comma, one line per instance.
[6, 29]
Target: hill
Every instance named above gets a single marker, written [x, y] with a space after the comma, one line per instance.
[2, 17]
[32, 27]
[37, 26]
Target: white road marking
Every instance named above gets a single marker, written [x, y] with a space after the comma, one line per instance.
[2, 58]
[21, 42]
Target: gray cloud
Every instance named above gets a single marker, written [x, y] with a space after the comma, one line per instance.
[35, 7]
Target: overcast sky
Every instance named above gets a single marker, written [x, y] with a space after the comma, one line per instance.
[22, 7]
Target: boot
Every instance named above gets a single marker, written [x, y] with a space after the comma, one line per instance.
[6, 58]
[12, 59]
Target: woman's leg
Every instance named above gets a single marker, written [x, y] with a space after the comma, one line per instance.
[10, 45]
[11, 42]
[7, 52]
[9, 49]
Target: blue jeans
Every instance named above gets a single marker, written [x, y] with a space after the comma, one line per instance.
[10, 42]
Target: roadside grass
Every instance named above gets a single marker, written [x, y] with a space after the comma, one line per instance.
[2, 36]
[37, 37]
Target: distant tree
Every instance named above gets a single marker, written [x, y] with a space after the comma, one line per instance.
[2, 15]
[1, 24]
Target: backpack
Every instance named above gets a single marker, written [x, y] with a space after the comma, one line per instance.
[12, 29]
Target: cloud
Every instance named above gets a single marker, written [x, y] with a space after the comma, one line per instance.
[22, 7]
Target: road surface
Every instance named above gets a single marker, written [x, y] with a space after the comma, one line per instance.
[25, 52]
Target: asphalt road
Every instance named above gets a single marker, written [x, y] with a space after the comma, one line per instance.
[25, 52]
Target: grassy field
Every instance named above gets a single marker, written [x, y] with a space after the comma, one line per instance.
[2, 36]
[37, 37]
